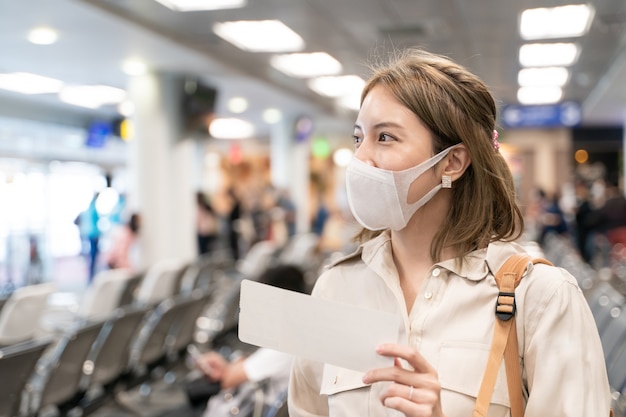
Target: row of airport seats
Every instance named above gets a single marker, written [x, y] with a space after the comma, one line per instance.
[126, 326]
[127, 329]
[604, 292]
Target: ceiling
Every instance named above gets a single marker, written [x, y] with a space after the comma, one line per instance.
[95, 36]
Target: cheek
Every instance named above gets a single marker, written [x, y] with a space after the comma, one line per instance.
[426, 182]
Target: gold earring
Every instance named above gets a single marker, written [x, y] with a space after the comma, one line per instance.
[446, 181]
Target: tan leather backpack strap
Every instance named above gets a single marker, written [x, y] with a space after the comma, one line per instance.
[504, 343]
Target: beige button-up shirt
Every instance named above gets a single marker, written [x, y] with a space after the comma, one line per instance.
[451, 324]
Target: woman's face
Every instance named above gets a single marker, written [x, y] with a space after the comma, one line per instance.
[388, 135]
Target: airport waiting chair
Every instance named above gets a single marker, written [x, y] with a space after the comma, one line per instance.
[150, 347]
[17, 364]
[107, 363]
[605, 302]
[130, 289]
[159, 282]
[59, 372]
[21, 315]
[260, 256]
[183, 330]
[617, 380]
[613, 336]
[104, 294]
[279, 407]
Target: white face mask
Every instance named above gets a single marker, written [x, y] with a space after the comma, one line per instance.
[378, 197]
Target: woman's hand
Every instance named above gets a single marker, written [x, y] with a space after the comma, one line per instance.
[416, 392]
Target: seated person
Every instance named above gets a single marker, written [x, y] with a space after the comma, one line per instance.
[266, 369]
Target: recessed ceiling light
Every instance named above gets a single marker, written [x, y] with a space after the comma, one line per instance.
[556, 22]
[259, 35]
[337, 86]
[539, 95]
[272, 115]
[197, 5]
[303, 65]
[126, 108]
[549, 76]
[548, 54]
[342, 157]
[26, 83]
[237, 104]
[43, 36]
[92, 96]
[230, 128]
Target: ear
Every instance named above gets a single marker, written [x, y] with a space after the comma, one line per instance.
[456, 162]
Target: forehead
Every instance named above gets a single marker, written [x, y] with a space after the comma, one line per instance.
[380, 105]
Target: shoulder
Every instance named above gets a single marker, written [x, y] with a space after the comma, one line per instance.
[338, 273]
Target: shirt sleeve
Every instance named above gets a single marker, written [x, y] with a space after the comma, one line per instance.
[564, 362]
[265, 363]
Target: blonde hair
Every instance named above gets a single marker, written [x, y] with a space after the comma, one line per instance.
[456, 106]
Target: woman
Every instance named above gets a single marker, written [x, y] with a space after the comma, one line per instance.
[437, 202]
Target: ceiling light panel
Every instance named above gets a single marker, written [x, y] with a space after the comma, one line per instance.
[539, 95]
[548, 54]
[92, 96]
[26, 83]
[198, 5]
[259, 35]
[538, 77]
[43, 36]
[556, 22]
[303, 65]
[337, 86]
[231, 128]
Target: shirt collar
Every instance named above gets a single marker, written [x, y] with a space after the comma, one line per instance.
[477, 265]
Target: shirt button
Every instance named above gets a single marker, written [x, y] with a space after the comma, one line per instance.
[428, 295]
[436, 272]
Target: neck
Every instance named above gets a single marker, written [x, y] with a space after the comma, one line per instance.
[411, 246]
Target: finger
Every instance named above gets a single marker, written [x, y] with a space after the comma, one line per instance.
[407, 407]
[409, 354]
[416, 395]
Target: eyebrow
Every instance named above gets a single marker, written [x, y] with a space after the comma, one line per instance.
[382, 125]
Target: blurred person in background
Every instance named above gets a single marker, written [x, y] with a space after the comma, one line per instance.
[124, 251]
[233, 218]
[88, 224]
[266, 368]
[206, 224]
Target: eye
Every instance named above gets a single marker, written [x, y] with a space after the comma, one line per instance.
[385, 137]
[357, 140]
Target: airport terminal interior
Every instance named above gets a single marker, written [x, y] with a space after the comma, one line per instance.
[156, 153]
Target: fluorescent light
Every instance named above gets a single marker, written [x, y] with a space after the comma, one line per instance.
[230, 128]
[134, 67]
[92, 96]
[548, 54]
[306, 65]
[549, 76]
[337, 86]
[272, 115]
[556, 22]
[259, 35]
[196, 5]
[26, 83]
[237, 104]
[350, 101]
[539, 95]
[43, 36]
